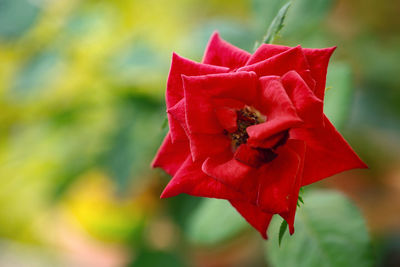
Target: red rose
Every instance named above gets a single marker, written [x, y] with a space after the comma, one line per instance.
[251, 128]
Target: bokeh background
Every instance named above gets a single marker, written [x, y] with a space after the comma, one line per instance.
[82, 108]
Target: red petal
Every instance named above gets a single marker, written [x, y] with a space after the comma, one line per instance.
[178, 113]
[255, 216]
[189, 179]
[230, 172]
[174, 93]
[268, 142]
[203, 146]
[228, 103]
[170, 156]
[327, 153]
[299, 148]
[307, 77]
[227, 118]
[292, 59]
[319, 60]
[254, 157]
[222, 53]
[266, 51]
[276, 181]
[176, 130]
[200, 90]
[280, 112]
[308, 106]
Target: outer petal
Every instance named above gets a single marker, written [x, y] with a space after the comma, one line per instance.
[292, 59]
[174, 91]
[299, 148]
[178, 114]
[319, 60]
[266, 51]
[254, 215]
[307, 77]
[189, 179]
[327, 153]
[308, 106]
[222, 53]
[280, 112]
[277, 180]
[171, 156]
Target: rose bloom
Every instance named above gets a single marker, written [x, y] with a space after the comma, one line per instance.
[250, 128]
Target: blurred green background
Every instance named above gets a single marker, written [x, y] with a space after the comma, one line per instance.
[82, 106]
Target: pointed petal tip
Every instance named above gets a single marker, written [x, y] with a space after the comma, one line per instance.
[359, 163]
[166, 193]
[177, 58]
[154, 163]
[264, 235]
[215, 34]
[291, 229]
[171, 190]
[331, 50]
[174, 56]
[363, 165]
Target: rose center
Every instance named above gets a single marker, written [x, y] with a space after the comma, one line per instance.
[246, 117]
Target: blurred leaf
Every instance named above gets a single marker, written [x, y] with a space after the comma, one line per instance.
[300, 200]
[276, 25]
[16, 16]
[338, 96]
[213, 222]
[282, 230]
[133, 143]
[180, 206]
[36, 74]
[157, 258]
[164, 124]
[304, 16]
[330, 231]
[265, 11]
[137, 64]
[67, 176]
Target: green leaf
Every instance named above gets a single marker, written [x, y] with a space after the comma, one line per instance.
[329, 231]
[339, 95]
[16, 17]
[164, 124]
[276, 25]
[213, 222]
[282, 230]
[300, 200]
[147, 258]
[132, 144]
[36, 74]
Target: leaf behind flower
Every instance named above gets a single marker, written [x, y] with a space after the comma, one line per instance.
[276, 25]
[329, 231]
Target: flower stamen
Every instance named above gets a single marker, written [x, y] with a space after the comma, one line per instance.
[246, 117]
